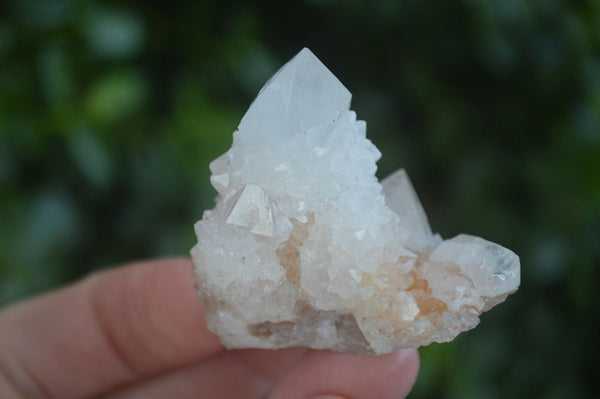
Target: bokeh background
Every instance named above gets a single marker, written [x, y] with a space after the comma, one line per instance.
[111, 111]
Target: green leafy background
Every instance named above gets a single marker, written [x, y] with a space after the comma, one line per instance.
[111, 111]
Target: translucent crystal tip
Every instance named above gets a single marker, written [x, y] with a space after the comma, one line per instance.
[301, 94]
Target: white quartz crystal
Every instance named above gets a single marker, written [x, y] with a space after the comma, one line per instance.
[306, 248]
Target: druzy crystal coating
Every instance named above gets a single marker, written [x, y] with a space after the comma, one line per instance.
[305, 247]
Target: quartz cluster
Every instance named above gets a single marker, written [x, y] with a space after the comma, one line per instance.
[305, 247]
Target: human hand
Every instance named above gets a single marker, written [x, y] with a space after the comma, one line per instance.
[139, 332]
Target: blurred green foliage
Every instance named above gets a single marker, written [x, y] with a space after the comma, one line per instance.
[111, 111]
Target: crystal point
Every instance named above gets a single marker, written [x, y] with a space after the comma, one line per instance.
[302, 94]
[253, 210]
[306, 248]
[401, 197]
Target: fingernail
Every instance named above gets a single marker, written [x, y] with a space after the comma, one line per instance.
[406, 355]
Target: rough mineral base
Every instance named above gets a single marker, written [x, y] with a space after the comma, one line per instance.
[306, 248]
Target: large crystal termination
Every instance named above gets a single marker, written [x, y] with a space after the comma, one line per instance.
[306, 248]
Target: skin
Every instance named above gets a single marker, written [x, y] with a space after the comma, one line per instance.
[138, 331]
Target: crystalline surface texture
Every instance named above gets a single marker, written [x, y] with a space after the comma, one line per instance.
[306, 248]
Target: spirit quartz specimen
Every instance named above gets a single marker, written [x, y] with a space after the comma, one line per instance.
[306, 248]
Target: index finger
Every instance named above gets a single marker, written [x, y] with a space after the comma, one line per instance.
[111, 329]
